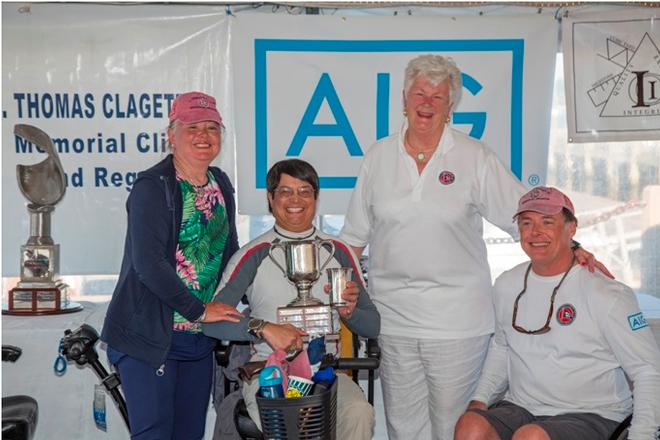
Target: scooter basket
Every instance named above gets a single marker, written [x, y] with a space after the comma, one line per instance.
[302, 418]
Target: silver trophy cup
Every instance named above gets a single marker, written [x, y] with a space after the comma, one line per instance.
[302, 266]
[303, 270]
[337, 279]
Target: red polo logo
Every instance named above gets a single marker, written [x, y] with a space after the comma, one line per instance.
[446, 177]
[566, 314]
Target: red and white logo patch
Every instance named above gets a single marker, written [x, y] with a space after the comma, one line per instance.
[566, 314]
[446, 177]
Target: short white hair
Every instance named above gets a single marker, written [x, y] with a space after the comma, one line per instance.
[436, 69]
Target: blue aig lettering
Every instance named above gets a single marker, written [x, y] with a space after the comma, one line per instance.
[476, 119]
[382, 105]
[325, 91]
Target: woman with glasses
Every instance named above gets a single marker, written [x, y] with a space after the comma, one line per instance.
[293, 190]
[419, 203]
[181, 233]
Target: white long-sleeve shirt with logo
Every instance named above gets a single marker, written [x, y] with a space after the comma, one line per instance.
[597, 334]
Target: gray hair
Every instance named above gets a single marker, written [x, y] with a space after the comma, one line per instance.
[436, 69]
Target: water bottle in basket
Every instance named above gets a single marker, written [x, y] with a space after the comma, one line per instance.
[270, 383]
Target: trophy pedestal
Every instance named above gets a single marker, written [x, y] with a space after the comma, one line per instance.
[32, 299]
[40, 292]
[315, 320]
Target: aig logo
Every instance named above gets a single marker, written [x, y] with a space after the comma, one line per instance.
[328, 100]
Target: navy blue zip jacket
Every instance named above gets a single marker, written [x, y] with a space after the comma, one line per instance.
[140, 319]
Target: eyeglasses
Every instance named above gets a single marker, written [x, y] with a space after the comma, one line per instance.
[285, 192]
[546, 326]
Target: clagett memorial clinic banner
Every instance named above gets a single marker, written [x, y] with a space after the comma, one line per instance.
[100, 80]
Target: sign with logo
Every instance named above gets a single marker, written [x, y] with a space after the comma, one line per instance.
[612, 75]
[325, 88]
[637, 321]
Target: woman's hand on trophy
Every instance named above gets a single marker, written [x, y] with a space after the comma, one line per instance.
[217, 311]
[284, 337]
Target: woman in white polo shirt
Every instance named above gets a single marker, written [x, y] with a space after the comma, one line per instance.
[419, 202]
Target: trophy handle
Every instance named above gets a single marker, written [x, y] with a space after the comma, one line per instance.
[332, 252]
[274, 246]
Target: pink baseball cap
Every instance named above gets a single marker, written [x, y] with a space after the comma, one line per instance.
[194, 107]
[545, 200]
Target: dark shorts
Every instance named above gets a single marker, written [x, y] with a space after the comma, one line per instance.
[507, 417]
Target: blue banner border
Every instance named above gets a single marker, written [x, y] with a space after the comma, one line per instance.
[263, 46]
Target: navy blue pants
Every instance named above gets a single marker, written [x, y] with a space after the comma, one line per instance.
[168, 406]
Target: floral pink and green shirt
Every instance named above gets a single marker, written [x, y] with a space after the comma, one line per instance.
[202, 238]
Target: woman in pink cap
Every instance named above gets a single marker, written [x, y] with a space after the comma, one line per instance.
[181, 233]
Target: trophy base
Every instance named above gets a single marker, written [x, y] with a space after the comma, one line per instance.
[315, 320]
[305, 302]
[35, 300]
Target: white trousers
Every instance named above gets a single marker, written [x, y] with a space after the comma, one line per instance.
[355, 416]
[427, 383]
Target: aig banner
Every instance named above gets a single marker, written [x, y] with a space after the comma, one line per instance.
[325, 88]
[612, 75]
[100, 80]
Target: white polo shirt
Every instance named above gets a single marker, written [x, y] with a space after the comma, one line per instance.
[428, 271]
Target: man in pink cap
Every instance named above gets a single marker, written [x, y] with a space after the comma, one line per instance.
[565, 340]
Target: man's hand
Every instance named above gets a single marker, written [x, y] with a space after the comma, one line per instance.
[585, 258]
[217, 311]
[477, 404]
[284, 337]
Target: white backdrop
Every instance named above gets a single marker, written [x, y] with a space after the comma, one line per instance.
[100, 78]
[325, 88]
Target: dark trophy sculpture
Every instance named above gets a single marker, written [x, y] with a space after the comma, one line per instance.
[39, 292]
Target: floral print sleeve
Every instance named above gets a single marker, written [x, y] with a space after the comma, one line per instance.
[202, 238]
